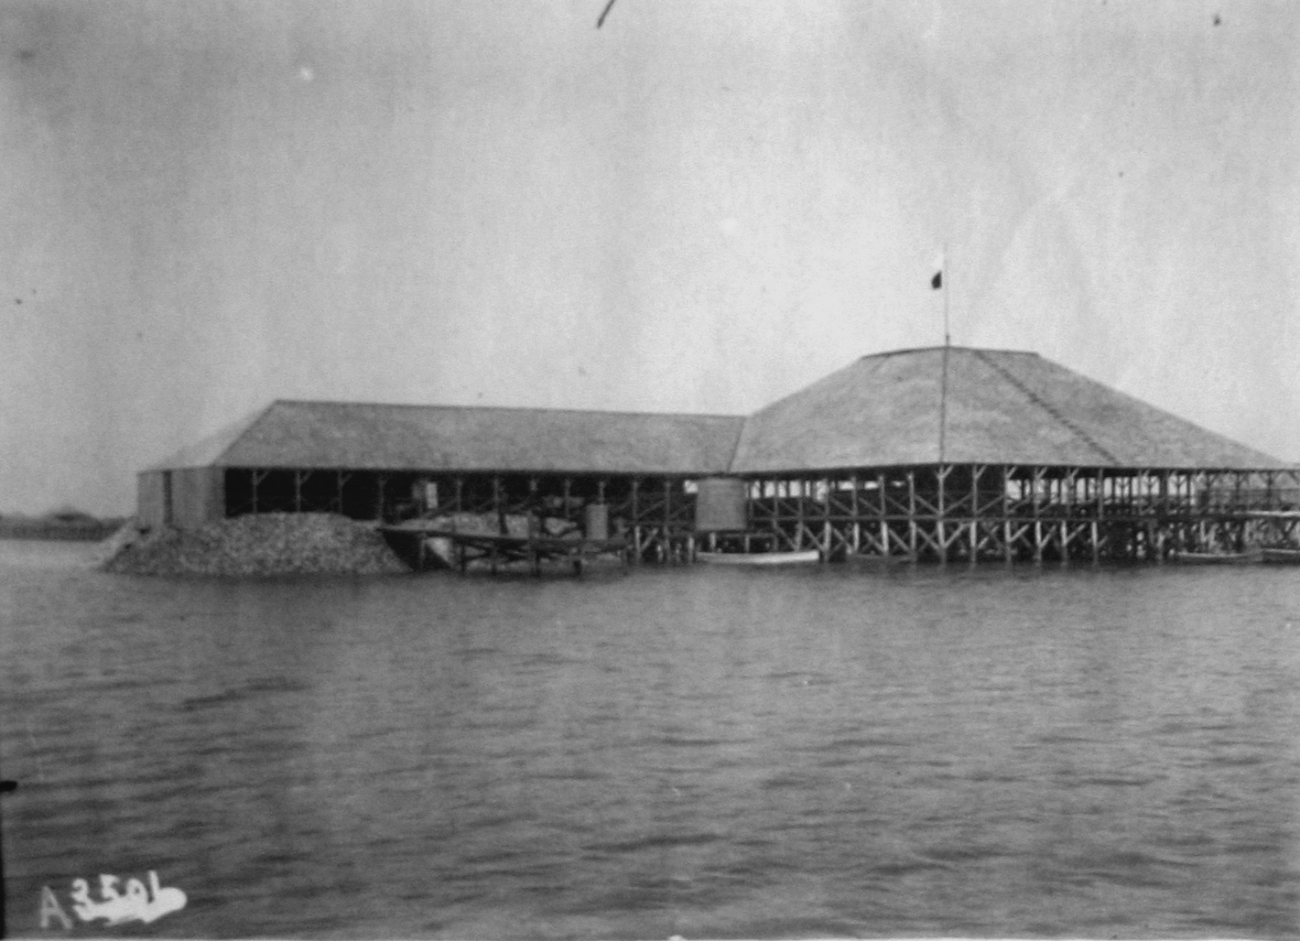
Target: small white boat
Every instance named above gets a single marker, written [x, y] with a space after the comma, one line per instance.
[1282, 556]
[759, 558]
[1215, 558]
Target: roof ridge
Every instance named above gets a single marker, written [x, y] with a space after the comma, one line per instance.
[735, 445]
[941, 347]
[1048, 407]
[505, 408]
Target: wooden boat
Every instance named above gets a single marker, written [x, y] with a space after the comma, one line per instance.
[1278, 556]
[1215, 558]
[759, 558]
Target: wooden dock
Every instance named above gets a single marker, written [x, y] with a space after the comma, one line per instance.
[496, 550]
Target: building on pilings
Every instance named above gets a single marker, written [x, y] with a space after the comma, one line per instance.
[946, 453]
[392, 462]
[958, 453]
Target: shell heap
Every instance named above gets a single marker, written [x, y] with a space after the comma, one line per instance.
[262, 544]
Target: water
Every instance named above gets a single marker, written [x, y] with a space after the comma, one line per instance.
[707, 753]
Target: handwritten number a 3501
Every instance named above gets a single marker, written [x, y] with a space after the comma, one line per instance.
[136, 903]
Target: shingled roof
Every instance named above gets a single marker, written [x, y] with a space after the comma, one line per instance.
[1001, 408]
[880, 411]
[293, 434]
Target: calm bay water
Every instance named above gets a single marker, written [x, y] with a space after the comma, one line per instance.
[831, 751]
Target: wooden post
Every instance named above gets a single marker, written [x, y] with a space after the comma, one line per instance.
[828, 539]
[798, 519]
[1069, 496]
[1162, 516]
[1098, 513]
[636, 521]
[460, 493]
[500, 512]
[668, 519]
[911, 511]
[885, 546]
[1008, 551]
[856, 543]
[776, 502]
[1038, 525]
[941, 475]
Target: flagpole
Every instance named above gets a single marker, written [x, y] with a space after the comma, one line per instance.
[945, 284]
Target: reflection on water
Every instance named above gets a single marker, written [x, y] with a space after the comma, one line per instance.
[684, 751]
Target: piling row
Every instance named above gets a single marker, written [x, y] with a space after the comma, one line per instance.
[976, 513]
[940, 513]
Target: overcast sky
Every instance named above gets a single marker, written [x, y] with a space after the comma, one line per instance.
[701, 206]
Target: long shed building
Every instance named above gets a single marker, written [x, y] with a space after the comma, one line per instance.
[945, 453]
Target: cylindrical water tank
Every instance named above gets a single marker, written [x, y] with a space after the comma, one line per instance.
[720, 505]
[597, 521]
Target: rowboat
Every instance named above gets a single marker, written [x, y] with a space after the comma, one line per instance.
[1215, 558]
[759, 558]
[1282, 556]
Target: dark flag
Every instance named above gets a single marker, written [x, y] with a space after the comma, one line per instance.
[937, 281]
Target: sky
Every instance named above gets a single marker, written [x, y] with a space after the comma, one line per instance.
[699, 206]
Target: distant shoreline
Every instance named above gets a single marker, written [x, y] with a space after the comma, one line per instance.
[39, 528]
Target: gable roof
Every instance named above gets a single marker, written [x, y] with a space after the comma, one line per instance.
[430, 438]
[1001, 407]
[207, 452]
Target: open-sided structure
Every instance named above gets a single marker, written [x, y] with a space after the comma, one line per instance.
[955, 453]
[942, 453]
[388, 462]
